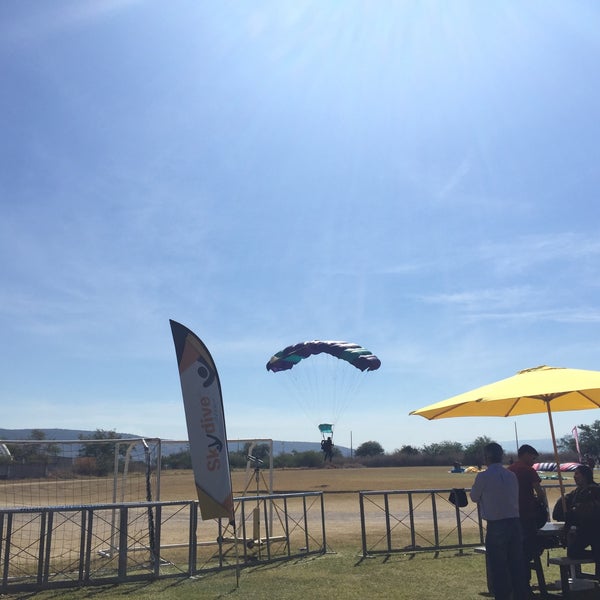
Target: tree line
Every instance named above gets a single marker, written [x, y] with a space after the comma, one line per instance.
[96, 457]
[372, 454]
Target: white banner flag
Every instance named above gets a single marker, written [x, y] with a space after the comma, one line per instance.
[203, 403]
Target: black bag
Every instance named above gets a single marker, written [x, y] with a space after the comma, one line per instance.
[541, 514]
[458, 497]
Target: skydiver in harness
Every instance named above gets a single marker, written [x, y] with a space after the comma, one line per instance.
[327, 448]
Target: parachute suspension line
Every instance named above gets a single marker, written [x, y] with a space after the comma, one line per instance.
[296, 391]
[347, 385]
[323, 392]
[324, 386]
[323, 377]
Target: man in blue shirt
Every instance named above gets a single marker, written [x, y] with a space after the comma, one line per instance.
[496, 491]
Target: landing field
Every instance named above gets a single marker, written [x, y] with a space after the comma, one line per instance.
[341, 571]
[179, 485]
[340, 486]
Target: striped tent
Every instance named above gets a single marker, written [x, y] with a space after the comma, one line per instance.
[551, 466]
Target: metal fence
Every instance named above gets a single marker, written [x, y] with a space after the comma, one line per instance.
[67, 546]
[422, 521]
[416, 520]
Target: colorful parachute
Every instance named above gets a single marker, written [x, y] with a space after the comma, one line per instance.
[359, 357]
[323, 377]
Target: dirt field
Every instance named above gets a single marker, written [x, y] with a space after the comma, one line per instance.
[178, 485]
[340, 486]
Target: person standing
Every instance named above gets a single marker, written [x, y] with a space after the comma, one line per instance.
[531, 496]
[496, 492]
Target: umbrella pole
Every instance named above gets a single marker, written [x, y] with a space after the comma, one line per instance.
[560, 479]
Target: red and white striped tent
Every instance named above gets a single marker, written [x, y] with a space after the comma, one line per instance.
[551, 466]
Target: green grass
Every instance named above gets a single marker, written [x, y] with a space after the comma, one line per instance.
[343, 574]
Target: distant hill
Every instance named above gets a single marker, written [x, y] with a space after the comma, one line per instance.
[52, 434]
[279, 447]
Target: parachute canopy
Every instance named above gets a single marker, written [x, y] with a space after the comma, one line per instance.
[326, 428]
[356, 355]
[328, 382]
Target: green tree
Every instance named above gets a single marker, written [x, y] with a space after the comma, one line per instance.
[408, 451]
[474, 451]
[444, 448]
[37, 434]
[308, 458]
[49, 450]
[369, 448]
[260, 451]
[566, 444]
[589, 440]
[237, 459]
[177, 460]
[443, 452]
[102, 453]
[34, 453]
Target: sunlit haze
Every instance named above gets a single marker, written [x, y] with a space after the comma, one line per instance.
[417, 177]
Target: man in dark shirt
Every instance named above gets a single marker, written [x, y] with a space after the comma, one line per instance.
[531, 494]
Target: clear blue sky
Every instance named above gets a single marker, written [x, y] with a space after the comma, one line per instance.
[418, 177]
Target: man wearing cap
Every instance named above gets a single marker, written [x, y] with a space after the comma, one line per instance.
[531, 494]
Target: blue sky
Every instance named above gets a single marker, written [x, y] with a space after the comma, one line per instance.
[418, 177]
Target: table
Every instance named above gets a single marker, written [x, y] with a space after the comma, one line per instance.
[548, 536]
[569, 567]
[551, 530]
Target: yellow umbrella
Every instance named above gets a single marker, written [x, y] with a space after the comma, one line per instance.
[541, 389]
